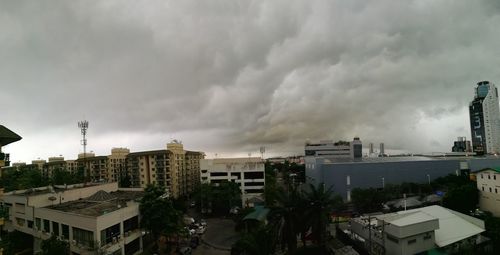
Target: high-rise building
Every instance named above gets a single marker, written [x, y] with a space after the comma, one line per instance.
[370, 149]
[485, 119]
[174, 168]
[461, 145]
[382, 150]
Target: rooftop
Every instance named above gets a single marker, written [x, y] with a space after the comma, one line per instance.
[453, 226]
[7, 136]
[99, 204]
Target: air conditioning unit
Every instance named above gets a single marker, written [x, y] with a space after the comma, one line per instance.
[126, 234]
[114, 239]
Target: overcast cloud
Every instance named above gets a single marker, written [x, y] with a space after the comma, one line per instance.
[230, 76]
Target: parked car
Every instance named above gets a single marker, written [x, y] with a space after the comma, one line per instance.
[185, 250]
[201, 230]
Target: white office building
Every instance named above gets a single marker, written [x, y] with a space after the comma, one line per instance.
[488, 184]
[247, 172]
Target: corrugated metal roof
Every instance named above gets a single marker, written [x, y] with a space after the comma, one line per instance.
[453, 226]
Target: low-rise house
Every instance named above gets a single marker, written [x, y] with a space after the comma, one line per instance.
[418, 230]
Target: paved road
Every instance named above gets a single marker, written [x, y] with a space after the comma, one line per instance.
[204, 249]
[220, 233]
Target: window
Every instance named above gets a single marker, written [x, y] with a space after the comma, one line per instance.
[392, 238]
[65, 231]
[496, 191]
[84, 237]
[55, 228]
[427, 236]
[46, 225]
[489, 177]
[494, 177]
[481, 176]
[412, 241]
[490, 189]
[38, 223]
[482, 188]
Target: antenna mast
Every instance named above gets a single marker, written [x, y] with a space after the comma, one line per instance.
[84, 125]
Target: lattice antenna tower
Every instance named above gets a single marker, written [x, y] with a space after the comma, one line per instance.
[84, 125]
[262, 151]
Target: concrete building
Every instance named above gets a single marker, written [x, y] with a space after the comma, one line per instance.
[488, 184]
[370, 148]
[382, 150]
[340, 149]
[174, 168]
[485, 119]
[461, 145]
[344, 176]
[418, 230]
[247, 172]
[98, 219]
[116, 164]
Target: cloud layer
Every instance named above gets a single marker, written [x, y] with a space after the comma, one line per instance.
[230, 76]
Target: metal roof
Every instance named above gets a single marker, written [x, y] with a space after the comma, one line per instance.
[7, 136]
[453, 226]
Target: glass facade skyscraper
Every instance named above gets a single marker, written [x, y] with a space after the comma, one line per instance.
[485, 119]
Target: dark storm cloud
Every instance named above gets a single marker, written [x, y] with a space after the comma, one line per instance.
[234, 75]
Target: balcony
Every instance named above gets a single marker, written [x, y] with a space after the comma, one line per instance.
[5, 158]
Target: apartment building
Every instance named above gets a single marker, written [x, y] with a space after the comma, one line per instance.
[117, 164]
[247, 172]
[488, 184]
[173, 168]
[98, 219]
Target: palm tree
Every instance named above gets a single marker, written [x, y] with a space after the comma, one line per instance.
[321, 203]
[284, 218]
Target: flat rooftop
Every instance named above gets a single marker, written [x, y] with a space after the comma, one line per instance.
[91, 206]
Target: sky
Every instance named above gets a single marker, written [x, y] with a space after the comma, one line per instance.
[228, 76]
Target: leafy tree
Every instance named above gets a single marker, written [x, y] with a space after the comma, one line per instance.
[462, 198]
[258, 242]
[492, 225]
[367, 200]
[62, 176]
[159, 215]
[54, 246]
[270, 189]
[125, 181]
[321, 202]
[219, 198]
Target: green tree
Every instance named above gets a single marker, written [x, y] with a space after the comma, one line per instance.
[321, 203]
[62, 176]
[258, 242]
[367, 200]
[158, 214]
[462, 198]
[270, 189]
[54, 246]
[125, 181]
